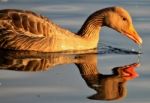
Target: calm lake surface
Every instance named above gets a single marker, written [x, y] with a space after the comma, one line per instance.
[64, 83]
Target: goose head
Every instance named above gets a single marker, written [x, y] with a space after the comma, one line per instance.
[120, 20]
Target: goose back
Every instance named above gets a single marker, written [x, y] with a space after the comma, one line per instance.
[28, 23]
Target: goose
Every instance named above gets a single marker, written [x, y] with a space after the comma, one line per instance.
[26, 30]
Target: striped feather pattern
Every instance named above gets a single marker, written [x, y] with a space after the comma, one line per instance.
[28, 23]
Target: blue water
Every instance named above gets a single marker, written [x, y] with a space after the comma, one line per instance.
[63, 83]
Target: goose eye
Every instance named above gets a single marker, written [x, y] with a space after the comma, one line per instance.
[124, 19]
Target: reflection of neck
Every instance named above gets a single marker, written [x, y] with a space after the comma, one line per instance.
[89, 65]
[87, 69]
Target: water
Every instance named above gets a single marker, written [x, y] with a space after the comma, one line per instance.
[64, 83]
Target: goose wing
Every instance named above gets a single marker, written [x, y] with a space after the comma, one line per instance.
[26, 22]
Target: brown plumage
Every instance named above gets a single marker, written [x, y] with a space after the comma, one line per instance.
[25, 30]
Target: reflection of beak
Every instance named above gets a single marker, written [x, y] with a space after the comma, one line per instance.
[132, 34]
[129, 72]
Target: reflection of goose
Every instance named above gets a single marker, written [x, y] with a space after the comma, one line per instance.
[25, 30]
[108, 87]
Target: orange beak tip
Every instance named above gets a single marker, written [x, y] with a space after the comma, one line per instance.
[133, 35]
[139, 41]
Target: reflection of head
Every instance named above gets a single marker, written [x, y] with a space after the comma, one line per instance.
[108, 87]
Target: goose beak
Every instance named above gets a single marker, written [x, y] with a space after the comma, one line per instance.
[133, 35]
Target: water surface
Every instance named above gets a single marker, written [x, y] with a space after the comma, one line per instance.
[65, 83]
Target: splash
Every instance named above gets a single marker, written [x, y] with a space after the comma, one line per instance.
[107, 49]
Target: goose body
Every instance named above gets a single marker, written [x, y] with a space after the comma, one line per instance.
[26, 30]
